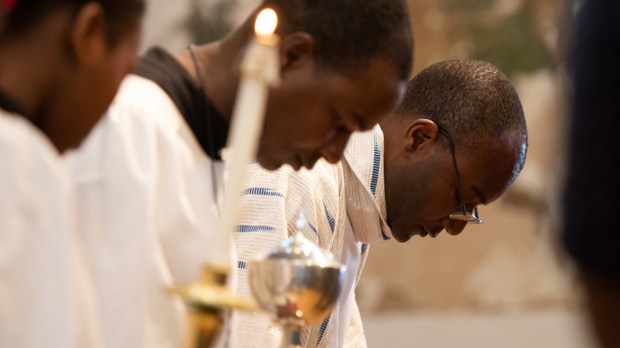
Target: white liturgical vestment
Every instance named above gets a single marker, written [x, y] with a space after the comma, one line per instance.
[148, 213]
[344, 205]
[45, 297]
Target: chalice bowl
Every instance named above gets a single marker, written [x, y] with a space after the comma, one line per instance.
[298, 283]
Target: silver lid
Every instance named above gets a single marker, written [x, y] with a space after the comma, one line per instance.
[301, 248]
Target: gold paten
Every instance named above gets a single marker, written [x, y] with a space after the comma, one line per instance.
[207, 304]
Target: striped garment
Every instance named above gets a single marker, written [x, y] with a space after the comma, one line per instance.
[344, 205]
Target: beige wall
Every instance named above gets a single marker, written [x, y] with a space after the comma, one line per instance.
[165, 23]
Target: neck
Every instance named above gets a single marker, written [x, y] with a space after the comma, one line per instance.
[31, 67]
[219, 64]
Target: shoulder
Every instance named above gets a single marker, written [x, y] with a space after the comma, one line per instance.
[141, 128]
[23, 146]
[33, 180]
[141, 99]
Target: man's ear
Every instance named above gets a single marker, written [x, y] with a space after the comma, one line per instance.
[420, 134]
[88, 36]
[295, 49]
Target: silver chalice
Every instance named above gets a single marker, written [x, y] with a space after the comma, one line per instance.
[298, 282]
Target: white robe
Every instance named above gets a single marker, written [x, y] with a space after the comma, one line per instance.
[148, 210]
[345, 207]
[45, 297]
[148, 213]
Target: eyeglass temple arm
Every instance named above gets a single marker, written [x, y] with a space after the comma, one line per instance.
[456, 167]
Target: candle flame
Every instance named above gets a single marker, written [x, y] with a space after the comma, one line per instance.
[266, 22]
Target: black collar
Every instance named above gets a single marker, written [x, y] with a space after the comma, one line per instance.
[10, 105]
[206, 123]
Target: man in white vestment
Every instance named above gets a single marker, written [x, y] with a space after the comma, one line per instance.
[150, 176]
[61, 62]
[44, 292]
[458, 140]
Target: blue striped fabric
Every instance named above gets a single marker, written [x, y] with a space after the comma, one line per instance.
[313, 228]
[242, 264]
[375, 168]
[365, 247]
[330, 219]
[262, 191]
[375, 176]
[254, 228]
[322, 330]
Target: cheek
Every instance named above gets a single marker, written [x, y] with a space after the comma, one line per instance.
[422, 197]
[125, 60]
[315, 128]
[417, 202]
[402, 195]
[297, 119]
[440, 201]
[121, 61]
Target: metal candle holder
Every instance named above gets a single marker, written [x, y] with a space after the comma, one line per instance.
[207, 302]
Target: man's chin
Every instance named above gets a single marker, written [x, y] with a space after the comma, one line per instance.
[269, 163]
[401, 236]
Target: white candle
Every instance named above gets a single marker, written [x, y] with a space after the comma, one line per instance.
[260, 68]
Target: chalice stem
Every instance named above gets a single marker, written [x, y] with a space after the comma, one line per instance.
[291, 336]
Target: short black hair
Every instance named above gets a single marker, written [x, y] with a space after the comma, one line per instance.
[28, 13]
[469, 99]
[350, 33]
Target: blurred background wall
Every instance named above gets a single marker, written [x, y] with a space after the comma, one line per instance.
[501, 284]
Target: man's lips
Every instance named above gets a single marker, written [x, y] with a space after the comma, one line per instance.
[296, 163]
[423, 232]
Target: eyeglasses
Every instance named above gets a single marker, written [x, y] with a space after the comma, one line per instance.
[463, 215]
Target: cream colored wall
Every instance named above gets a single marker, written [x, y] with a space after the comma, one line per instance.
[165, 22]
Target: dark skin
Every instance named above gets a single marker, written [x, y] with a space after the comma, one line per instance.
[604, 308]
[420, 183]
[313, 111]
[4, 10]
[63, 73]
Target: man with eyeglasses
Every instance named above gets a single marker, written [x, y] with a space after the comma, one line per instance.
[458, 140]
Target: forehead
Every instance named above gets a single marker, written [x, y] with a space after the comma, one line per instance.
[490, 165]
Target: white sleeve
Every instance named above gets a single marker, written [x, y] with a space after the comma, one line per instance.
[45, 298]
[147, 215]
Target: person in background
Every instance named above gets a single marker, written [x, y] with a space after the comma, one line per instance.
[61, 62]
[591, 191]
[149, 178]
[457, 141]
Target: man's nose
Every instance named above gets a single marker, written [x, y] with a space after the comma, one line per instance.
[454, 227]
[334, 149]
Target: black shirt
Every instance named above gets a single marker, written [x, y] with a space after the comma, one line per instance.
[592, 193]
[8, 104]
[208, 126]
